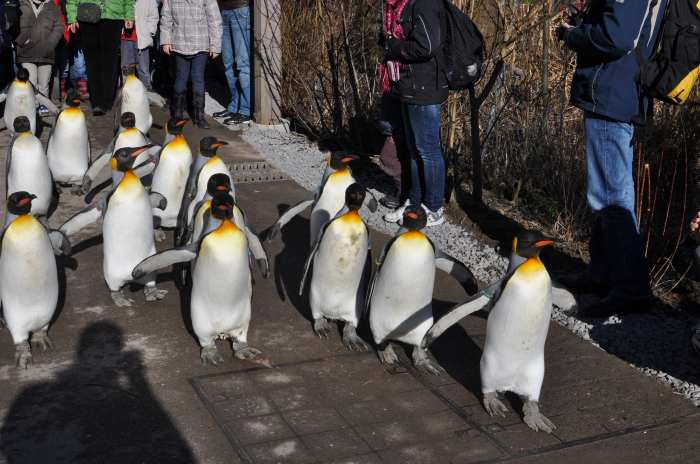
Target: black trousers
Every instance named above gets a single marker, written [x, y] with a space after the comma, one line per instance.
[100, 44]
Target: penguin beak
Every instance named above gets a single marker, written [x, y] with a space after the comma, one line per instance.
[348, 159]
[218, 144]
[140, 150]
[76, 101]
[181, 122]
[543, 243]
[412, 215]
[222, 188]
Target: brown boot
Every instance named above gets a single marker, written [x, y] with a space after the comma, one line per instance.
[83, 89]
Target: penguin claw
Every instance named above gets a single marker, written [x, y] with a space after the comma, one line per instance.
[247, 352]
[322, 327]
[120, 300]
[154, 293]
[42, 339]
[351, 340]
[388, 356]
[429, 367]
[23, 355]
[210, 355]
[159, 235]
[535, 419]
[494, 406]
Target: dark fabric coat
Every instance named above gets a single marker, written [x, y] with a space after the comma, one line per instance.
[423, 80]
[38, 35]
[606, 70]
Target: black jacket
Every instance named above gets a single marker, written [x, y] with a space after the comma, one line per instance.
[423, 81]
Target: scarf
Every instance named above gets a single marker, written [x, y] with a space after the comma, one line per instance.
[392, 30]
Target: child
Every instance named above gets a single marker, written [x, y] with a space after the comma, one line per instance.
[137, 41]
[190, 31]
[40, 30]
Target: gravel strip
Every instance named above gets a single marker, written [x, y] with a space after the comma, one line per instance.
[656, 343]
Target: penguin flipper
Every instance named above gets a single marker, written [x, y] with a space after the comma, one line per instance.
[158, 201]
[156, 99]
[99, 171]
[287, 216]
[459, 312]
[258, 252]
[60, 243]
[43, 100]
[164, 259]
[84, 218]
[310, 259]
[456, 269]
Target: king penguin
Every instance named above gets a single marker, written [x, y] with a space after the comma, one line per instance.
[170, 178]
[516, 330]
[328, 199]
[127, 227]
[401, 295]
[28, 168]
[28, 276]
[68, 150]
[221, 282]
[136, 99]
[21, 99]
[342, 266]
[173, 127]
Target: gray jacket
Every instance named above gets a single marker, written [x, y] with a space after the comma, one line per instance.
[146, 19]
[191, 26]
[38, 35]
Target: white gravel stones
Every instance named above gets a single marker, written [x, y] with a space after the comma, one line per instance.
[656, 344]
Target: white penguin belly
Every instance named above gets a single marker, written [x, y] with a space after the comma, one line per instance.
[338, 268]
[513, 357]
[127, 232]
[135, 100]
[170, 180]
[401, 304]
[28, 278]
[221, 290]
[20, 101]
[332, 200]
[68, 150]
[29, 171]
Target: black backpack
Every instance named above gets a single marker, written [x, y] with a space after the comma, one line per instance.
[463, 49]
[670, 74]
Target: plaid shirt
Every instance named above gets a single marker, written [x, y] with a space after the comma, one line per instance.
[191, 26]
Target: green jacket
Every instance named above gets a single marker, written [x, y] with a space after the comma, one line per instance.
[111, 9]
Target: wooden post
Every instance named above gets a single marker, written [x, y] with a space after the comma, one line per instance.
[267, 62]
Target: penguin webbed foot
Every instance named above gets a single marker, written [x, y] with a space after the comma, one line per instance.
[23, 355]
[243, 351]
[388, 356]
[351, 340]
[120, 300]
[42, 339]
[322, 327]
[159, 235]
[210, 355]
[535, 419]
[153, 293]
[424, 364]
[493, 405]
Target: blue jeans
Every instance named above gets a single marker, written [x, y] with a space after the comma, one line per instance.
[422, 130]
[617, 255]
[131, 55]
[235, 48]
[190, 66]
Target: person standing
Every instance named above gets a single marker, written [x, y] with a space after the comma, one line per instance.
[608, 43]
[40, 30]
[235, 53]
[191, 31]
[136, 43]
[422, 88]
[100, 39]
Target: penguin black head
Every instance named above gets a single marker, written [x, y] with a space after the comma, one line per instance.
[209, 145]
[222, 206]
[22, 74]
[129, 70]
[414, 218]
[528, 244]
[218, 183]
[340, 159]
[21, 124]
[72, 98]
[175, 126]
[355, 196]
[128, 120]
[20, 203]
[124, 157]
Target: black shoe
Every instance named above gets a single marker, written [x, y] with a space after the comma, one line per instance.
[391, 202]
[97, 111]
[581, 283]
[610, 305]
[223, 114]
[237, 118]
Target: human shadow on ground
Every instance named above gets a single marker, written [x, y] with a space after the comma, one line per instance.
[98, 410]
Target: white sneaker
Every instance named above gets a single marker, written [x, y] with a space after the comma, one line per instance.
[397, 214]
[435, 218]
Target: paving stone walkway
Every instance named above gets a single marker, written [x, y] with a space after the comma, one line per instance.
[125, 385]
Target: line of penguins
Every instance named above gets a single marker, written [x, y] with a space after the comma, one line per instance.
[138, 188]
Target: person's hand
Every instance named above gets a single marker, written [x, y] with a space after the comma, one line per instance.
[73, 27]
[562, 30]
[213, 55]
[695, 227]
[167, 48]
[128, 24]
